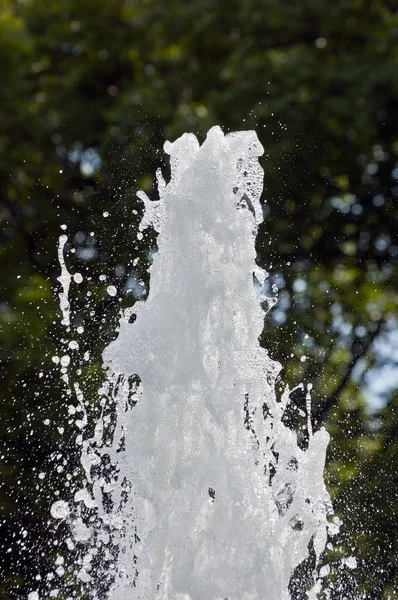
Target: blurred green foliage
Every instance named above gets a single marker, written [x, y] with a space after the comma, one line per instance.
[89, 92]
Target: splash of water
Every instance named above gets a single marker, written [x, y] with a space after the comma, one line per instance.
[205, 493]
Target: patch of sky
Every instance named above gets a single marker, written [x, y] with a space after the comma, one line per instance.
[89, 159]
[381, 381]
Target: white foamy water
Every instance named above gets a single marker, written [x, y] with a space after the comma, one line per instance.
[206, 494]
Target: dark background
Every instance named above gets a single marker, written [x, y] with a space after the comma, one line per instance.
[89, 92]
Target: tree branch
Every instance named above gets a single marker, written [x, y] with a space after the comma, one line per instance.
[322, 411]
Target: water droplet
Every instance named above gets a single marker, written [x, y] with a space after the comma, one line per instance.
[112, 291]
[60, 509]
[65, 360]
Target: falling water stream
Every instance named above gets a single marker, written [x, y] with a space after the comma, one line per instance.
[199, 489]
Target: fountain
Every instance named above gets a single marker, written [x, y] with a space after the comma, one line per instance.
[194, 486]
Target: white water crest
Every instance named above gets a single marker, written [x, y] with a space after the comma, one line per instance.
[210, 494]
